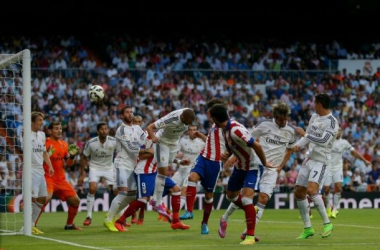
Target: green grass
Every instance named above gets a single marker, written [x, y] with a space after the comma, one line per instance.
[353, 229]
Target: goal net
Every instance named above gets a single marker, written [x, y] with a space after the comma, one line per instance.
[15, 161]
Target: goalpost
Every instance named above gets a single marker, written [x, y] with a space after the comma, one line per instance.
[15, 161]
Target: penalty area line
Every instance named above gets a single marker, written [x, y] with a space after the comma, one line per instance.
[70, 243]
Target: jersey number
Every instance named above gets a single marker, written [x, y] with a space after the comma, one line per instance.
[315, 173]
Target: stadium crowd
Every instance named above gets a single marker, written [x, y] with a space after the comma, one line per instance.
[156, 77]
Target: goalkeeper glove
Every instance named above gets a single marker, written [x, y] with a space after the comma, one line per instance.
[73, 150]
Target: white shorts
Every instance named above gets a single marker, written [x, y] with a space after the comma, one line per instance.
[333, 176]
[311, 171]
[38, 185]
[181, 176]
[96, 174]
[268, 182]
[126, 178]
[164, 154]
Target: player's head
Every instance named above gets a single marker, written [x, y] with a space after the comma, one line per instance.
[102, 130]
[322, 102]
[187, 117]
[55, 130]
[219, 113]
[281, 112]
[37, 120]
[137, 120]
[127, 114]
[214, 101]
[190, 131]
[339, 134]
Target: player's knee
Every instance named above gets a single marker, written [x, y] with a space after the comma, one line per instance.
[209, 196]
[300, 192]
[74, 201]
[176, 189]
[230, 198]
[311, 191]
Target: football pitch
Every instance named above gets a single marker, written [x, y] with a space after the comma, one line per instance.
[278, 229]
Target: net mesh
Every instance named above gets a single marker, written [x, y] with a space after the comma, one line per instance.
[11, 160]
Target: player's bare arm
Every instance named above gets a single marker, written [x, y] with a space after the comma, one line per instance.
[83, 164]
[48, 162]
[200, 135]
[150, 129]
[260, 153]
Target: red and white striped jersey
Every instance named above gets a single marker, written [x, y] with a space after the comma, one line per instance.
[215, 144]
[239, 142]
[146, 166]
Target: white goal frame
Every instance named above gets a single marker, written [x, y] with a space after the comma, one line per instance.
[25, 58]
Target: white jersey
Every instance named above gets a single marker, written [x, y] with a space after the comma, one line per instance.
[274, 140]
[239, 141]
[38, 149]
[147, 166]
[320, 134]
[101, 155]
[190, 149]
[340, 145]
[128, 142]
[215, 144]
[170, 128]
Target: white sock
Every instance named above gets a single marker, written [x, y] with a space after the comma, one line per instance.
[327, 200]
[183, 202]
[303, 207]
[260, 211]
[116, 205]
[36, 209]
[230, 210]
[320, 206]
[336, 200]
[90, 204]
[159, 188]
[131, 196]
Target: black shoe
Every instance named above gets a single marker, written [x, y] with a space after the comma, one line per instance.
[72, 227]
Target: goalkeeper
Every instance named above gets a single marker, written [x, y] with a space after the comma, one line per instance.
[60, 155]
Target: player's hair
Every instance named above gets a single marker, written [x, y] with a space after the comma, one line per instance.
[323, 99]
[193, 125]
[137, 117]
[52, 124]
[100, 124]
[280, 108]
[36, 114]
[219, 112]
[189, 113]
[124, 108]
[214, 101]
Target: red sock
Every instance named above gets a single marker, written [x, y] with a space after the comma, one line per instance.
[131, 209]
[141, 213]
[176, 203]
[250, 218]
[239, 203]
[71, 214]
[191, 193]
[207, 208]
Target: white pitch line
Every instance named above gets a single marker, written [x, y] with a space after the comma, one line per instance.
[295, 222]
[261, 244]
[70, 243]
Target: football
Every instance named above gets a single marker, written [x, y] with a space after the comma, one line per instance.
[96, 93]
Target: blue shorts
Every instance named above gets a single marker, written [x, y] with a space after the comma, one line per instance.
[208, 171]
[244, 179]
[146, 184]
